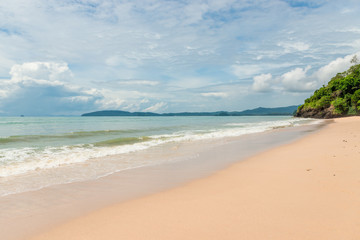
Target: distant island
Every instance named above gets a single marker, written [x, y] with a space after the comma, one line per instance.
[340, 97]
[290, 110]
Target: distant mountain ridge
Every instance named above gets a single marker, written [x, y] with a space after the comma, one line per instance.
[250, 112]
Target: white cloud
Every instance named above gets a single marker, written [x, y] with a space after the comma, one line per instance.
[215, 94]
[5, 64]
[346, 11]
[144, 101]
[192, 82]
[3, 93]
[35, 88]
[325, 73]
[49, 71]
[297, 80]
[110, 103]
[127, 61]
[216, 5]
[290, 47]
[262, 83]
[138, 82]
[155, 108]
[77, 99]
[194, 12]
[189, 47]
[245, 70]
[351, 30]
[355, 44]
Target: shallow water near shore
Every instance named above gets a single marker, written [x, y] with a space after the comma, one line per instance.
[39, 152]
[172, 163]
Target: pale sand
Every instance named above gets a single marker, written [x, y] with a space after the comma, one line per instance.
[309, 189]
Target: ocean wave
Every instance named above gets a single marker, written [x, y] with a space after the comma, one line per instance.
[73, 135]
[15, 161]
[20, 161]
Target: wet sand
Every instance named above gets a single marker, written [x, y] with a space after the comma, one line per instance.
[308, 189]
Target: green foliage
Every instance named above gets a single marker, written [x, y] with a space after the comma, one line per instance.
[323, 102]
[352, 111]
[342, 93]
[341, 105]
[355, 98]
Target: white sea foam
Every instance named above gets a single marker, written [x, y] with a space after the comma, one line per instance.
[20, 161]
[29, 168]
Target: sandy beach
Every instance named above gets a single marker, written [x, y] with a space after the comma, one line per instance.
[308, 189]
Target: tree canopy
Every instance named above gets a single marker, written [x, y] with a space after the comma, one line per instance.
[340, 97]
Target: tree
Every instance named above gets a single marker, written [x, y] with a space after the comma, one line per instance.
[354, 60]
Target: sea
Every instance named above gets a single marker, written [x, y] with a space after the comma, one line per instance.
[36, 152]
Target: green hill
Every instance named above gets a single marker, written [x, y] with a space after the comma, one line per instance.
[340, 97]
[270, 111]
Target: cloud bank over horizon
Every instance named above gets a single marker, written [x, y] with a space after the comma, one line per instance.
[71, 57]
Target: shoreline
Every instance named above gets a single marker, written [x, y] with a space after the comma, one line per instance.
[61, 203]
[308, 189]
[78, 154]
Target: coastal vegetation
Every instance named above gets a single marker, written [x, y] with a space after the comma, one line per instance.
[340, 97]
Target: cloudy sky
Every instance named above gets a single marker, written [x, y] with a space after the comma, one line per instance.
[73, 56]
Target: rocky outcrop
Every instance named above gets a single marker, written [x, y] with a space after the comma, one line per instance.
[317, 113]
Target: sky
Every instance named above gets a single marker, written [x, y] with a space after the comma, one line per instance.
[69, 57]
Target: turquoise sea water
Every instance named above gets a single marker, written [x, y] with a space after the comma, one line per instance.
[46, 149]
